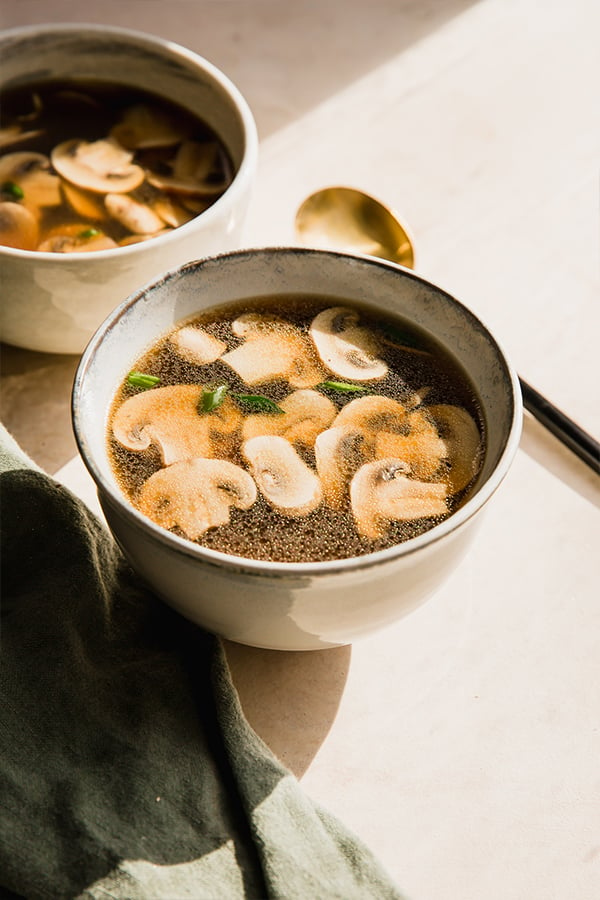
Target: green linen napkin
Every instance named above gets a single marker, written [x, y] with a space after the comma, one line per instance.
[127, 768]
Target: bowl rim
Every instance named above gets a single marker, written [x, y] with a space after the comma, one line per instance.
[243, 174]
[267, 568]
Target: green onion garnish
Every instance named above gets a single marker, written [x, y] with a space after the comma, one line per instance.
[12, 190]
[141, 380]
[259, 403]
[210, 400]
[88, 233]
[344, 387]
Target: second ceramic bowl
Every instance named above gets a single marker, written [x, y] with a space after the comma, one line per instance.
[53, 302]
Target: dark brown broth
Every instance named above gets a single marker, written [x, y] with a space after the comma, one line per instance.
[66, 114]
[324, 534]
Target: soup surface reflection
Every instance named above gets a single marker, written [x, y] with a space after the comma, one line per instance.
[296, 429]
[94, 166]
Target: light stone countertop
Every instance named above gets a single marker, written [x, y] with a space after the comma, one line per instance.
[463, 743]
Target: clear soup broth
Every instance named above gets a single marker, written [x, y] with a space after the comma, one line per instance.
[88, 165]
[296, 429]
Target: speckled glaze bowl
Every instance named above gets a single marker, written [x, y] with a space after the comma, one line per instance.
[292, 606]
[53, 302]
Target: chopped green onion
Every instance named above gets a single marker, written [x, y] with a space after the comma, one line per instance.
[141, 380]
[12, 190]
[88, 233]
[259, 403]
[344, 387]
[210, 400]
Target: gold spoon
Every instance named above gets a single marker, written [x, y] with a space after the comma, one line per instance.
[343, 218]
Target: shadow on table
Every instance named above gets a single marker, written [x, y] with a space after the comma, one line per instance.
[285, 57]
[550, 453]
[290, 698]
[35, 403]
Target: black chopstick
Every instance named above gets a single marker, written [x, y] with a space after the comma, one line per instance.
[561, 426]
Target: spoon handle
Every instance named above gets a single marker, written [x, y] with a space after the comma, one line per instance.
[561, 426]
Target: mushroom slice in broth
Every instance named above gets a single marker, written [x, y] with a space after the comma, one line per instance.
[196, 345]
[32, 174]
[462, 441]
[88, 204]
[104, 165]
[199, 168]
[419, 446]
[139, 218]
[381, 493]
[345, 348]
[168, 419]
[373, 414]
[144, 126]
[306, 414]
[339, 452]
[18, 227]
[196, 494]
[271, 351]
[284, 479]
[15, 134]
[78, 237]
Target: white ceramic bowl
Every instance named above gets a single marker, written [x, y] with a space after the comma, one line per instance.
[293, 606]
[53, 302]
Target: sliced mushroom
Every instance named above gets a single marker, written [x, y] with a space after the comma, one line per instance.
[462, 441]
[14, 134]
[306, 414]
[161, 207]
[253, 324]
[144, 126]
[77, 237]
[195, 205]
[36, 108]
[104, 166]
[283, 478]
[199, 168]
[418, 397]
[31, 172]
[196, 345]
[339, 453]
[88, 204]
[18, 227]
[345, 348]
[131, 214]
[381, 493]
[374, 413]
[171, 213]
[420, 446]
[196, 494]
[168, 418]
[272, 350]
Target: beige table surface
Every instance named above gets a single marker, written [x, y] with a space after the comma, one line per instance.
[463, 744]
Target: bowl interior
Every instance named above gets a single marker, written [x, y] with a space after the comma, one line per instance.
[138, 60]
[135, 326]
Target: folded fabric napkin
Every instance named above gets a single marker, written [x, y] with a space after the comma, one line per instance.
[127, 768]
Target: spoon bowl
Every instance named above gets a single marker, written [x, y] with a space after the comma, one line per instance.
[344, 218]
